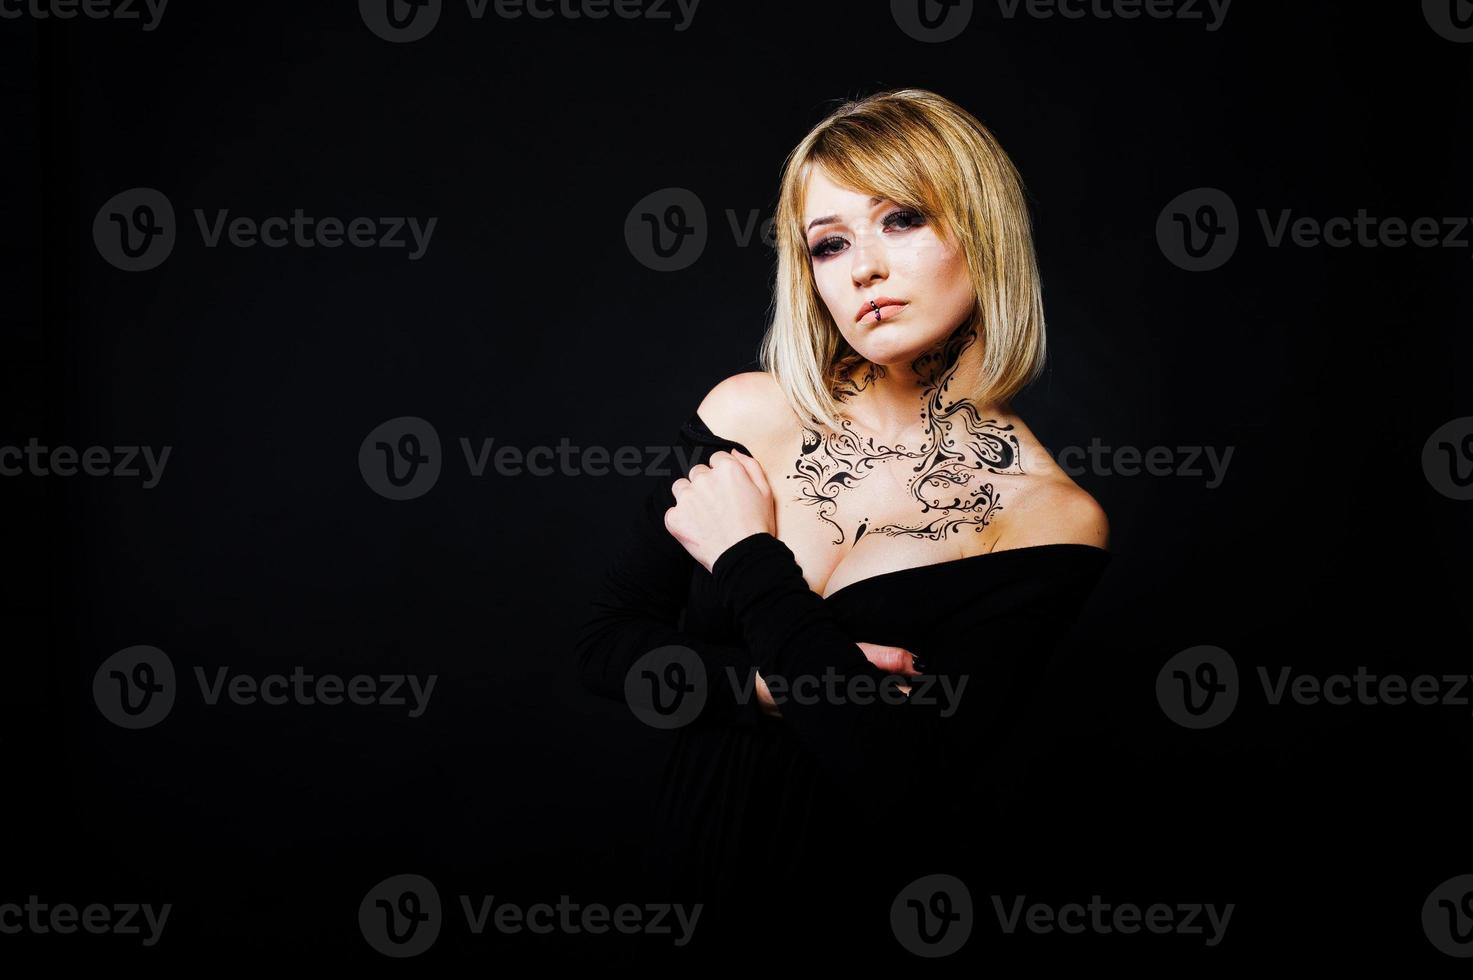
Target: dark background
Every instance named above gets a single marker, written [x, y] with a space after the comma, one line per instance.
[528, 320]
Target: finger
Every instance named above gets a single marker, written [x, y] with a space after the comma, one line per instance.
[697, 471]
[898, 660]
[892, 660]
[753, 468]
[679, 487]
[725, 462]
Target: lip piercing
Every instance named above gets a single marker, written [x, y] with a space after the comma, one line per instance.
[877, 309]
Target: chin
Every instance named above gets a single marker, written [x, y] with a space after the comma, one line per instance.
[896, 345]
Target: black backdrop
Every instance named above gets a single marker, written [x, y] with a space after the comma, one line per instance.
[529, 319]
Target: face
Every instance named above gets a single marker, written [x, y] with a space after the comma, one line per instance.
[864, 248]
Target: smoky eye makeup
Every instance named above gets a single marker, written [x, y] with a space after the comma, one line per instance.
[902, 218]
[825, 247]
[897, 219]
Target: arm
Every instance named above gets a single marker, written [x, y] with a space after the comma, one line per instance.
[879, 750]
[637, 609]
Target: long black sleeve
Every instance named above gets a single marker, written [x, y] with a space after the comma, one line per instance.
[637, 609]
[995, 642]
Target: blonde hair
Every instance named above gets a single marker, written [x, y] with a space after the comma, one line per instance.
[922, 151]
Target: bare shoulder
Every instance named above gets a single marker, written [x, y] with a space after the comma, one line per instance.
[1054, 510]
[748, 408]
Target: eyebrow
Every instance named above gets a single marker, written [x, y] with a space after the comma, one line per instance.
[830, 219]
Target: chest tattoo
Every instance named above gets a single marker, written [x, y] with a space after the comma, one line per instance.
[947, 473]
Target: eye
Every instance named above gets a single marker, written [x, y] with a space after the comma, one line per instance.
[826, 247]
[904, 218]
[901, 219]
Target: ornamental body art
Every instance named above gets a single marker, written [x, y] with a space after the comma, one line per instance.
[959, 448]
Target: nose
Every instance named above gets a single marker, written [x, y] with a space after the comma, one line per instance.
[867, 263]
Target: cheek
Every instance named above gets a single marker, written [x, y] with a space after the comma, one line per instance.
[941, 271]
[832, 287]
[925, 259]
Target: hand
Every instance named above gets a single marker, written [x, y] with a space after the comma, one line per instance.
[764, 700]
[719, 504]
[892, 660]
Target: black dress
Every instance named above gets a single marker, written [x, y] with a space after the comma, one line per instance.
[822, 815]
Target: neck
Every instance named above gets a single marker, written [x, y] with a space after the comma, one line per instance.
[898, 401]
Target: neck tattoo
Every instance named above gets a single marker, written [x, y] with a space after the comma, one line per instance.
[959, 447]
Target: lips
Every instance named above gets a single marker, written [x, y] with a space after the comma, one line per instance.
[888, 305]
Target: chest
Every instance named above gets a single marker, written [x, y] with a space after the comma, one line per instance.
[850, 512]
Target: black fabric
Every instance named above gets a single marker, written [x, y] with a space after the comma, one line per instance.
[823, 812]
[641, 604]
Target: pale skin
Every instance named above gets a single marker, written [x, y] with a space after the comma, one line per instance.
[896, 410]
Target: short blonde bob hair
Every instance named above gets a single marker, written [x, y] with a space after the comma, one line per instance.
[921, 151]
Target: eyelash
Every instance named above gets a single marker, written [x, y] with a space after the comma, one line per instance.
[916, 220]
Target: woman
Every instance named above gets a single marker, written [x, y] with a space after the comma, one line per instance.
[869, 526]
